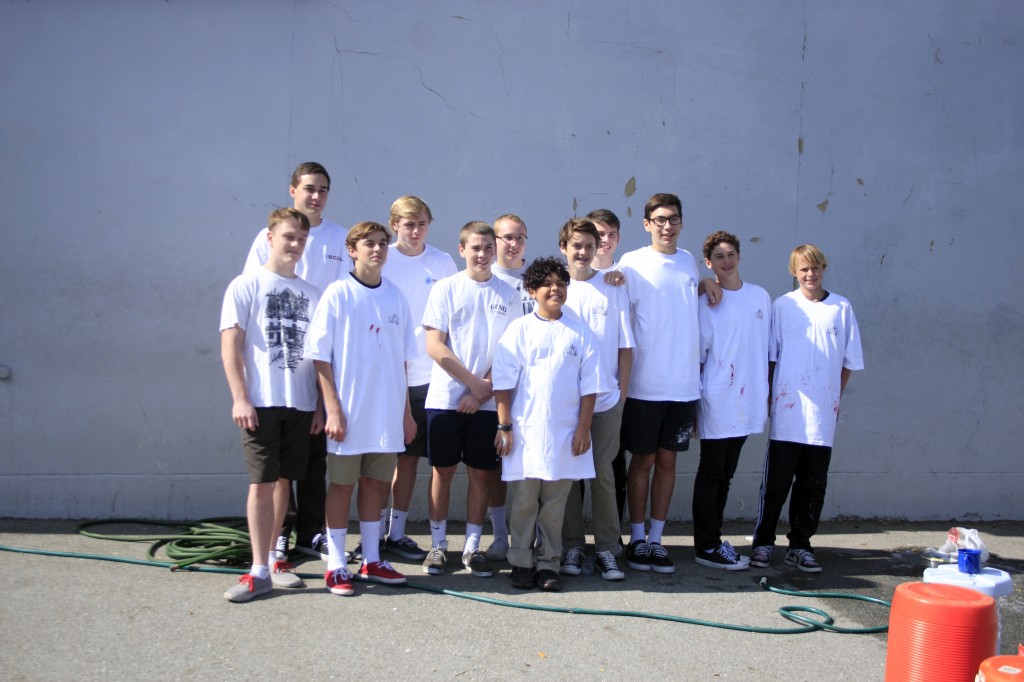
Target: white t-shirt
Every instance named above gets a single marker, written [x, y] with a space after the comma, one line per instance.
[663, 297]
[324, 260]
[274, 313]
[810, 344]
[605, 310]
[734, 355]
[367, 336]
[414, 276]
[514, 278]
[549, 365]
[474, 315]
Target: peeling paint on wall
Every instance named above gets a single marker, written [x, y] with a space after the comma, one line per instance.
[823, 206]
[800, 145]
[631, 186]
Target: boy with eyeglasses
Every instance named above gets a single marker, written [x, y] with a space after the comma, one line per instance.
[664, 387]
[510, 231]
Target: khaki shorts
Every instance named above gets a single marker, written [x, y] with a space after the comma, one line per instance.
[347, 469]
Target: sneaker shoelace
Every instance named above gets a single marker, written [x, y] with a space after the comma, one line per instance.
[341, 575]
[657, 551]
[607, 561]
[574, 556]
[281, 566]
[642, 550]
[726, 551]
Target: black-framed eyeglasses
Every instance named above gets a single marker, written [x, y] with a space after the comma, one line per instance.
[671, 220]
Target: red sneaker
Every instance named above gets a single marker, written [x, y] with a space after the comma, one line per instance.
[380, 572]
[339, 581]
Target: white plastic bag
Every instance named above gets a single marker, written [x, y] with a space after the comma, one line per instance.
[964, 538]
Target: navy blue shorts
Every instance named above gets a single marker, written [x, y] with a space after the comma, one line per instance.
[454, 437]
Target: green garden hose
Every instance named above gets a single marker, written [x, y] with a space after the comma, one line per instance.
[226, 541]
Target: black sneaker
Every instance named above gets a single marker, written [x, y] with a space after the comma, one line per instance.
[608, 566]
[406, 548]
[572, 561]
[548, 581]
[638, 555]
[317, 547]
[660, 563]
[723, 557]
[523, 578]
[803, 559]
[477, 564]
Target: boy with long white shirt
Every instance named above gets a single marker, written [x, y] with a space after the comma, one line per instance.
[665, 382]
[734, 394]
[465, 316]
[546, 377]
[360, 338]
[415, 267]
[264, 319]
[813, 348]
[323, 261]
[604, 308]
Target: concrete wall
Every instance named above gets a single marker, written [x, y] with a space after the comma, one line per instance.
[143, 143]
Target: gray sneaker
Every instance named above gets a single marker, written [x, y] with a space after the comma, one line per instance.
[498, 551]
[436, 561]
[572, 563]
[477, 564]
[761, 556]
[249, 586]
[281, 575]
[803, 559]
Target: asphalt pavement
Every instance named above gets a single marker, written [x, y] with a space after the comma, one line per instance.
[70, 618]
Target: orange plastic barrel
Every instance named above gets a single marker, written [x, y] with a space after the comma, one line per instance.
[939, 632]
[1002, 669]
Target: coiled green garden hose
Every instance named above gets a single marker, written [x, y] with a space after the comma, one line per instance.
[225, 540]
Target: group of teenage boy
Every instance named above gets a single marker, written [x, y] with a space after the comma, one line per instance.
[351, 355]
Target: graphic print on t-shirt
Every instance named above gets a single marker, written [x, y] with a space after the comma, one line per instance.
[287, 316]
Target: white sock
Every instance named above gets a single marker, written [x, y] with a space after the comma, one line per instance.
[383, 521]
[397, 529]
[657, 528]
[473, 533]
[498, 524]
[438, 533]
[637, 532]
[336, 548]
[370, 530]
[272, 559]
[258, 571]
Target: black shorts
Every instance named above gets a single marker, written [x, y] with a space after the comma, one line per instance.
[418, 396]
[279, 447]
[454, 437]
[650, 425]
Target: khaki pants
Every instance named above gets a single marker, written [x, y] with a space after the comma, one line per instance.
[535, 513]
[604, 434]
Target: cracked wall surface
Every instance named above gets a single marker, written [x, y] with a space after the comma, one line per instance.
[143, 145]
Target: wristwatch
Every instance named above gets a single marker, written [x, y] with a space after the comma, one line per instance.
[504, 427]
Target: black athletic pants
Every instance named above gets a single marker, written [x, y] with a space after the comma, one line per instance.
[804, 468]
[718, 460]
